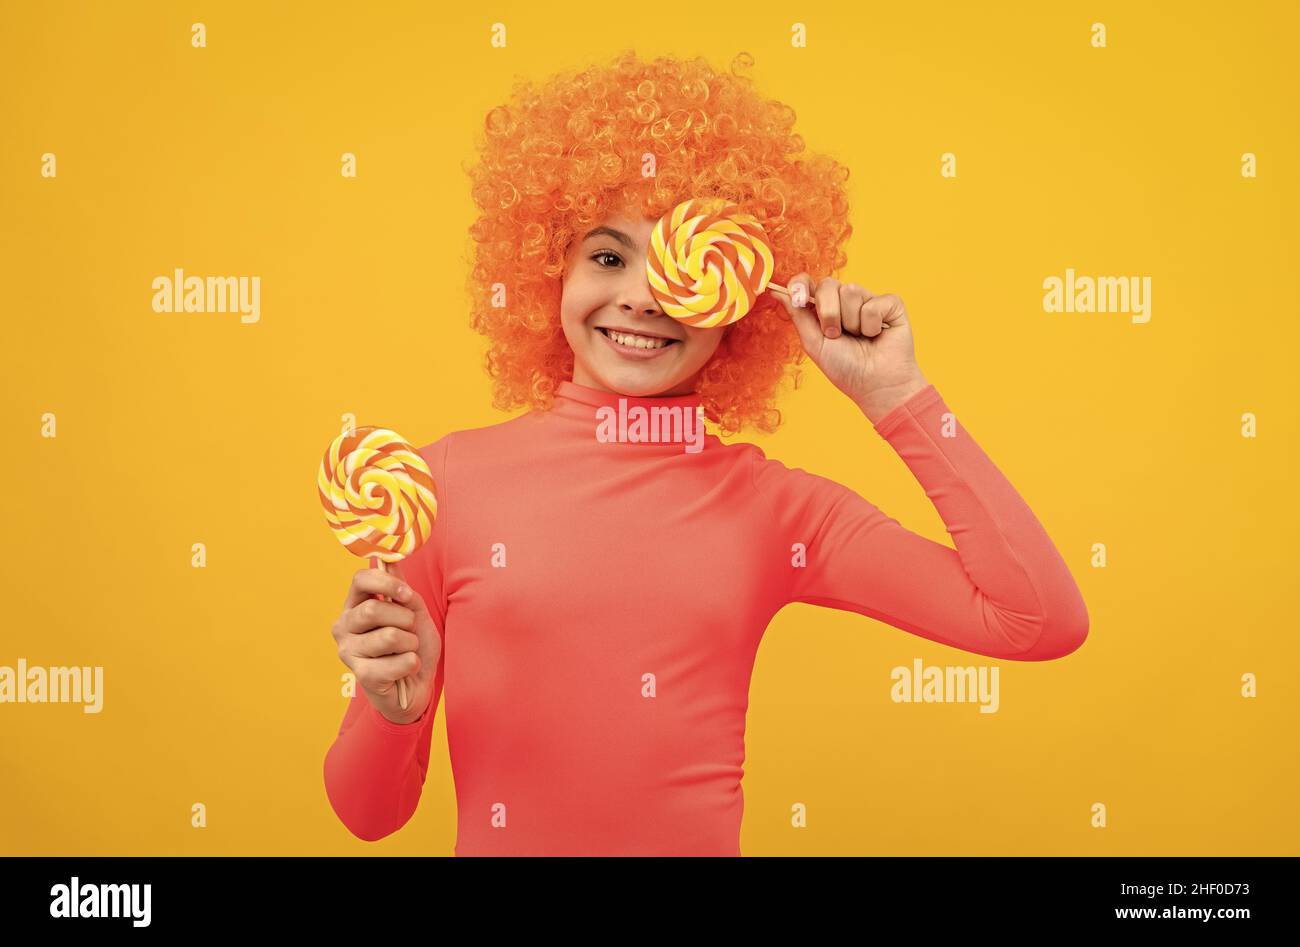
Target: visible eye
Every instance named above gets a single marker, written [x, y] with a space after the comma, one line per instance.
[606, 253]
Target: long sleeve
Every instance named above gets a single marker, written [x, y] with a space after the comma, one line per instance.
[1004, 591]
[375, 768]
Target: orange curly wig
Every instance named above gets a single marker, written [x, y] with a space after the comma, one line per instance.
[559, 159]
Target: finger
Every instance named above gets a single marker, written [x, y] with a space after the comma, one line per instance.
[883, 311]
[372, 614]
[379, 673]
[872, 319]
[852, 296]
[828, 306]
[384, 641]
[809, 329]
[798, 289]
[415, 602]
[403, 592]
[810, 332]
[369, 582]
[805, 322]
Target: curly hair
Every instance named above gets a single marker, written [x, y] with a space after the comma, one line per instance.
[559, 159]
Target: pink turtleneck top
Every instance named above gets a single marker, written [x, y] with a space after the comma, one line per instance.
[601, 599]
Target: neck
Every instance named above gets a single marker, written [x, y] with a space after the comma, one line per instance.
[662, 422]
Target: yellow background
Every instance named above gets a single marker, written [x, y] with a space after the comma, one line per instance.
[222, 684]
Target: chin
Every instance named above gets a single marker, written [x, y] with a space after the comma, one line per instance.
[638, 384]
[637, 387]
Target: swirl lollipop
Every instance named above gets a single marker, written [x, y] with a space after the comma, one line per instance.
[708, 261]
[378, 496]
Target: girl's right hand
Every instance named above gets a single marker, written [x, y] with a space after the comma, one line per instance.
[383, 642]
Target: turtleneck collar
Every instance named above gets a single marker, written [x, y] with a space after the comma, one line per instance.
[642, 421]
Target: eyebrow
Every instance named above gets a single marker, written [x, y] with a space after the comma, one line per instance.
[618, 235]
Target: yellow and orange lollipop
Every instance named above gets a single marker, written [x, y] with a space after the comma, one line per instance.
[708, 261]
[378, 496]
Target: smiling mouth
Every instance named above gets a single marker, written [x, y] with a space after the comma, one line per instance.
[636, 341]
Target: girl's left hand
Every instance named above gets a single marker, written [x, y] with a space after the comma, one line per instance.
[863, 343]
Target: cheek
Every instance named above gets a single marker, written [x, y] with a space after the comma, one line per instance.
[575, 304]
[703, 347]
[571, 311]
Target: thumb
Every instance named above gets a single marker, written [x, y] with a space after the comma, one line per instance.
[393, 569]
[415, 601]
[806, 324]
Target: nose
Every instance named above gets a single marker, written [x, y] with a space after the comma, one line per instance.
[636, 298]
[640, 302]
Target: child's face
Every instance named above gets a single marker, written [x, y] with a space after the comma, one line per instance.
[605, 286]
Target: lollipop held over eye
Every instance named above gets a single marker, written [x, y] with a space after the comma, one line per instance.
[378, 496]
[708, 261]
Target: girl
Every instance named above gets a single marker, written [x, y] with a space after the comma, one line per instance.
[594, 604]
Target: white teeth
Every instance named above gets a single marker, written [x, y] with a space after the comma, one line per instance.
[636, 341]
